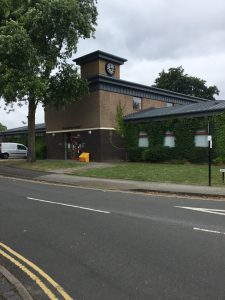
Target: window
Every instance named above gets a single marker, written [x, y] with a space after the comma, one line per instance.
[201, 138]
[143, 140]
[137, 103]
[169, 139]
[20, 147]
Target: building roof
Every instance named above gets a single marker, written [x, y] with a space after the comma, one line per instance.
[190, 110]
[19, 130]
[110, 84]
[99, 54]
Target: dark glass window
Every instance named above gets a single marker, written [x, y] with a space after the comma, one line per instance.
[20, 147]
[137, 103]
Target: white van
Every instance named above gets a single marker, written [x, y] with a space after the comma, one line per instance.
[12, 150]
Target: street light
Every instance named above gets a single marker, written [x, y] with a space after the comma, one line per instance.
[209, 150]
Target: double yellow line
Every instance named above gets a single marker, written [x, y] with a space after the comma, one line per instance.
[13, 256]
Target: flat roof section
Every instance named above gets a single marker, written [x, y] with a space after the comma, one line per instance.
[189, 110]
[19, 130]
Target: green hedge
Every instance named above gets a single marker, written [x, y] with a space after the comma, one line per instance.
[41, 149]
[135, 154]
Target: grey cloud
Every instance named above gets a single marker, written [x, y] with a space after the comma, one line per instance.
[155, 29]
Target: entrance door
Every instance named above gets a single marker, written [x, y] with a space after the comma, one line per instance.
[74, 145]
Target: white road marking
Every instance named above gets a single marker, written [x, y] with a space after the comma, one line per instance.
[69, 205]
[205, 210]
[207, 230]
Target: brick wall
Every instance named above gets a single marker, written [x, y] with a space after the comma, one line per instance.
[82, 114]
[109, 102]
[97, 67]
[103, 145]
[93, 111]
[55, 146]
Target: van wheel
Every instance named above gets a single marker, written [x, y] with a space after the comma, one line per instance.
[5, 155]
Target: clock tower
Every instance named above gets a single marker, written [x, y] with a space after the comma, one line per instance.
[100, 63]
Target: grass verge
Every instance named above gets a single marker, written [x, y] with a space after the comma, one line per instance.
[171, 173]
[44, 165]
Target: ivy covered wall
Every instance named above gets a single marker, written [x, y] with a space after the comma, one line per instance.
[184, 130]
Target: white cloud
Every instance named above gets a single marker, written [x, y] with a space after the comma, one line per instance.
[155, 35]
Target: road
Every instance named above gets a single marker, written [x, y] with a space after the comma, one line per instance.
[111, 245]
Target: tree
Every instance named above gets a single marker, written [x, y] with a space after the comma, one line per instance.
[37, 37]
[175, 80]
[2, 127]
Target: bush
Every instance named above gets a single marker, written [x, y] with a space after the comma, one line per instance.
[164, 154]
[159, 154]
[199, 155]
[135, 154]
[219, 160]
[153, 154]
[41, 149]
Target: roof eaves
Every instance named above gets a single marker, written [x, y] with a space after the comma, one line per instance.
[99, 54]
[144, 88]
[172, 115]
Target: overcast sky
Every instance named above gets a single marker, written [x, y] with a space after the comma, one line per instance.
[154, 35]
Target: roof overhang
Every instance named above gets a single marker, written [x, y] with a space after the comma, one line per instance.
[99, 55]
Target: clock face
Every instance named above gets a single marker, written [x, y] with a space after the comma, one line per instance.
[110, 68]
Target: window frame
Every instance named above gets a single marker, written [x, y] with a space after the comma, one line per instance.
[198, 138]
[138, 104]
[143, 141]
[169, 139]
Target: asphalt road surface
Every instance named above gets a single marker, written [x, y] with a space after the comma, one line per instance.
[66, 242]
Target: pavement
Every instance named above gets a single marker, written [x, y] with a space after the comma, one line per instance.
[10, 287]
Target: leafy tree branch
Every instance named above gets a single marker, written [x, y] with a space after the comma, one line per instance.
[176, 80]
[37, 37]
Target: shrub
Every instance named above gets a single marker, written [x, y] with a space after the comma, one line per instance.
[158, 154]
[219, 160]
[41, 149]
[135, 154]
[199, 155]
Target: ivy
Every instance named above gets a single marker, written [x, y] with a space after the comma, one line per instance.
[184, 130]
[218, 132]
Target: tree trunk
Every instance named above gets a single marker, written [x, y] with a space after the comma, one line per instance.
[31, 155]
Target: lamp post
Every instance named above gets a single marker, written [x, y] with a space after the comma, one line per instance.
[209, 151]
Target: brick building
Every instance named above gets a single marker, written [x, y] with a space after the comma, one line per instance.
[89, 125]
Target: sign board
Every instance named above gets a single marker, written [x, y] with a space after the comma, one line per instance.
[210, 141]
[222, 170]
